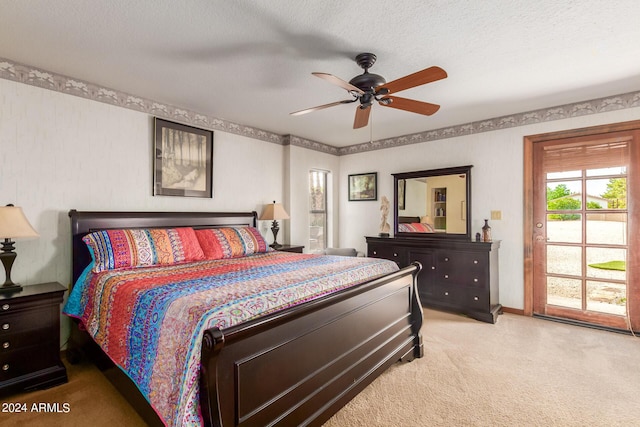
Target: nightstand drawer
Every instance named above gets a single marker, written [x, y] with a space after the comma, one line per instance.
[25, 361]
[24, 321]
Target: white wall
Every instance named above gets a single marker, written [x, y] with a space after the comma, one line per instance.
[497, 184]
[60, 152]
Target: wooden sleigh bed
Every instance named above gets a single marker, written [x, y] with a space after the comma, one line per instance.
[297, 366]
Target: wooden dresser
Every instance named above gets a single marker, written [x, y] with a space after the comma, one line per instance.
[30, 338]
[457, 275]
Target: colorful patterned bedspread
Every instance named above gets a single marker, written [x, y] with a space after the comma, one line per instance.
[151, 320]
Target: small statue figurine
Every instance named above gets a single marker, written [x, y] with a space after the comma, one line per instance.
[384, 225]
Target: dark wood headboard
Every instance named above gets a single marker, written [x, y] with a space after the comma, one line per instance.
[83, 222]
[408, 219]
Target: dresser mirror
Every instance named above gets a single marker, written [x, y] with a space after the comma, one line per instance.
[433, 203]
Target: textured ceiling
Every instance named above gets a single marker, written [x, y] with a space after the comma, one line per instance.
[250, 62]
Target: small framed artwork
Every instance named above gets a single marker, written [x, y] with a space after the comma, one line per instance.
[182, 160]
[363, 186]
[401, 187]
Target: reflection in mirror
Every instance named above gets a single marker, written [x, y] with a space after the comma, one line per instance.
[433, 203]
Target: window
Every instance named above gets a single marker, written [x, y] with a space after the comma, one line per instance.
[317, 210]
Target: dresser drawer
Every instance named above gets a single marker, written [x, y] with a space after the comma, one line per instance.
[399, 255]
[462, 268]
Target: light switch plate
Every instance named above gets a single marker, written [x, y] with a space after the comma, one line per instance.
[496, 214]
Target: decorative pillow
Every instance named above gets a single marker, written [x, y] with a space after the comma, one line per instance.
[140, 247]
[231, 242]
[415, 227]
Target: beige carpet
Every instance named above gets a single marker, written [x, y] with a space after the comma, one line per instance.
[518, 372]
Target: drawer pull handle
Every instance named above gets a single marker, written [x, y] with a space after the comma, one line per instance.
[6, 344]
[446, 276]
[5, 307]
[5, 367]
[5, 326]
[475, 298]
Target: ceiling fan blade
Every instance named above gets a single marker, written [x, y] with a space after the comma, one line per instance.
[339, 82]
[410, 105]
[425, 76]
[362, 117]
[322, 107]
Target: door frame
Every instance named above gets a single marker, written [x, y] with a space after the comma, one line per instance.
[528, 187]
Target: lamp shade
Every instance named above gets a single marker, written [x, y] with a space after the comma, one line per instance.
[274, 211]
[13, 224]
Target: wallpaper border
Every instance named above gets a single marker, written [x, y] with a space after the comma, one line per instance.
[11, 70]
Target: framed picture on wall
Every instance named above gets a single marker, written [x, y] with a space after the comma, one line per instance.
[182, 160]
[363, 186]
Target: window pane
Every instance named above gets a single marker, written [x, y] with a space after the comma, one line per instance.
[615, 191]
[606, 263]
[607, 297]
[564, 292]
[317, 232]
[569, 231]
[607, 228]
[566, 195]
[564, 260]
[619, 170]
[317, 210]
[562, 175]
[317, 180]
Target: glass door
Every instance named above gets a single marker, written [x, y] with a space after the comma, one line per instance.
[581, 258]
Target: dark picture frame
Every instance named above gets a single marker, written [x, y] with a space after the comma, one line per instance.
[182, 160]
[363, 187]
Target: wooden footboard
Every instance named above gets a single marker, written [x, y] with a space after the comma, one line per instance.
[301, 366]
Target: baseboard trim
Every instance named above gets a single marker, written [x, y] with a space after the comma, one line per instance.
[513, 310]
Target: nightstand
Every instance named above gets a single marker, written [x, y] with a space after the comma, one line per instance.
[290, 248]
[30, 338]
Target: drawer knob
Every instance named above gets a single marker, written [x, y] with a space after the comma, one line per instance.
[5, 367]
[395, 254]
[475, 261]
[475, 280]
[446, 293]
[475, 298]
[446, 258]
[5, 326]
[446, 276]
[6, 344]
[5, 307]
[433, 267]
[375, 253]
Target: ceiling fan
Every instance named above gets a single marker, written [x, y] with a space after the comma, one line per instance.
[368, 87]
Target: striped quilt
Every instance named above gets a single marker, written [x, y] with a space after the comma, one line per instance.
[150, 321]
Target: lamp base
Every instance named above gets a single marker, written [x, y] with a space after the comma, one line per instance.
[10, 288]
[7, 256]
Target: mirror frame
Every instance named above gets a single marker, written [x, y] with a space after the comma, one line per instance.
[424, 174]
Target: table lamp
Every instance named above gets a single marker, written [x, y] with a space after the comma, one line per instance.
[13, 225]
[274, 212]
